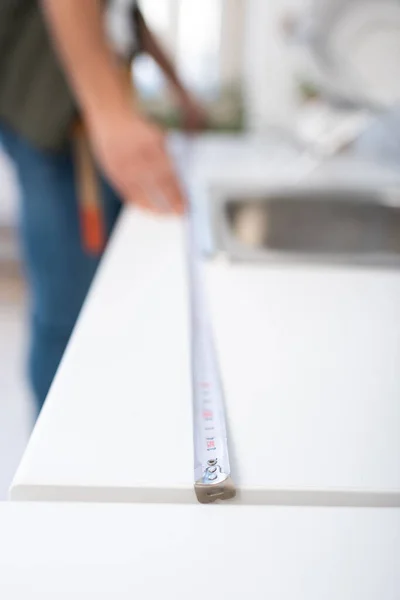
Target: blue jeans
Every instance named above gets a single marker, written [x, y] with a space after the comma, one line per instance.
[58, 270]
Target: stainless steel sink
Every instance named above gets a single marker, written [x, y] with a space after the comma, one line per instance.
[342, 225]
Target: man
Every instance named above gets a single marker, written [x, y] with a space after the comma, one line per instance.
[63, 71]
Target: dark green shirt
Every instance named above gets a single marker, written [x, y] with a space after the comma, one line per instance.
[35, 99]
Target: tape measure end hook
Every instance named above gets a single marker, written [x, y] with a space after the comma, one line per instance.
[208, 493]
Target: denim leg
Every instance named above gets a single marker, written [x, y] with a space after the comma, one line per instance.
[58, 270]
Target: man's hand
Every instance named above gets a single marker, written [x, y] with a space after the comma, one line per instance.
[131, 151]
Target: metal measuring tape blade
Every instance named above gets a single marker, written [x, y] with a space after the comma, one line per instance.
[212, 472]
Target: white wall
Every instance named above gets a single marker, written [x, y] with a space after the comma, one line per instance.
[232, 39]
[269, 85]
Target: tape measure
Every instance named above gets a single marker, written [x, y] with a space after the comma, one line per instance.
[212, 471]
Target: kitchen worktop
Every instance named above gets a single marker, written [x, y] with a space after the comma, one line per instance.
[309, 358]
[97, 551]
[309, 364]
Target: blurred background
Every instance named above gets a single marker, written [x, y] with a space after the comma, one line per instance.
[321, 75]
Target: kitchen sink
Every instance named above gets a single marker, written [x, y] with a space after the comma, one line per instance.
[333, 225]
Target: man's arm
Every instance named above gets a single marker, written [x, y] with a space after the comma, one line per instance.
[129, 149]
[194, 114]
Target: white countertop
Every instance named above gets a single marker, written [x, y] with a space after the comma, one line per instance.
[309, 356]
[311, 376]
[84, 552]
[311, 381]
[117, 423]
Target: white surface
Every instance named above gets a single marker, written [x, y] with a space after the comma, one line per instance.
[96, 551]
[117, 423]
[310, 357]
[311, 382]
[317, 351]
[270, 84]
[16, 410]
